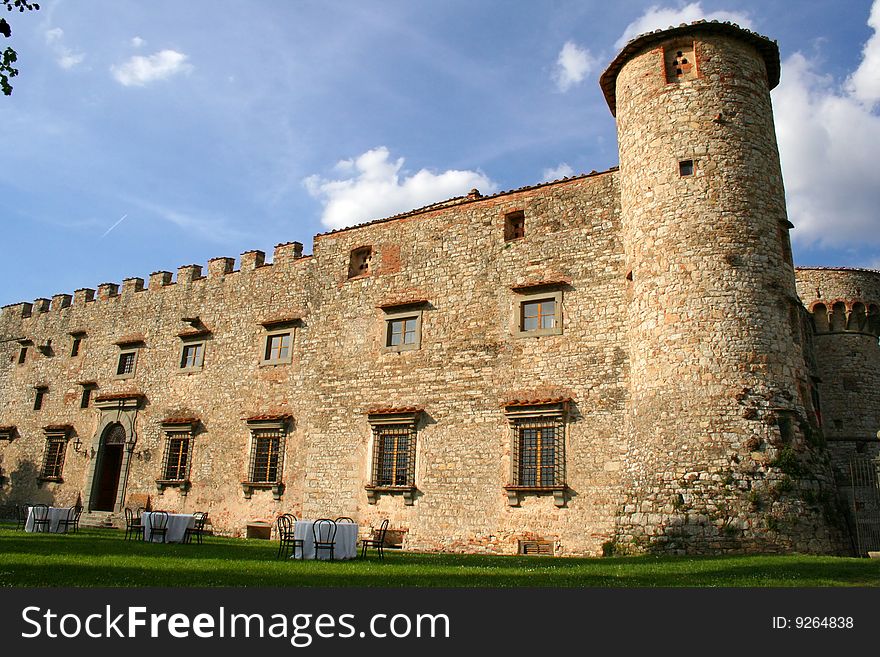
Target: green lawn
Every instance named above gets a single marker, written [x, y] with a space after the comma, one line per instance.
[103, 558]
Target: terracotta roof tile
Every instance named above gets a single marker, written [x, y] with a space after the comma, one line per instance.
[58, 427]
[268, 416]
[394, 410]
[180, 420]
[119, 395]
[135, 338]
[537, 401]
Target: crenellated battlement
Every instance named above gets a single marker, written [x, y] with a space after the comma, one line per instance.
[187, 275]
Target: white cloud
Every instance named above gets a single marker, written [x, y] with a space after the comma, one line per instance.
[562, 171]
[829, 137]
[657, 17]
[374, 188]
[64, 56]
[139, 71]
[572, 66]
[864, 83]
[137, 42]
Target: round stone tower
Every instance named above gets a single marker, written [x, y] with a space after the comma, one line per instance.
[723, 455]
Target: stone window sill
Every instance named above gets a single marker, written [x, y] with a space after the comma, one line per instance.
[514, 492]
[249, 487]
[373, 493]
[183, 484]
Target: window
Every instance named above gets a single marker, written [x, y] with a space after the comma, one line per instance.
[266, 463]
[192, 356]
[39, 398]
[359, 261]
[686, 168]
[176, 457]
[394, 452]
[278, 347]
[86, 398]
[539, 314]
[22, 354]
[537, 449]
[403, 330]
[53, 459]
[125, 368]
[514, 225]
[75, 347]
[680, 63]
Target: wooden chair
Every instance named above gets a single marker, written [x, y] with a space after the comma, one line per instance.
[70, 522]
[377, 541]
[324, 533]
[344, 519]
[285, 524]
[134, 528]
[158, 526]
[41, 517]
[198, 528]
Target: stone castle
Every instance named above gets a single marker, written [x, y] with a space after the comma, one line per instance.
[620, 361]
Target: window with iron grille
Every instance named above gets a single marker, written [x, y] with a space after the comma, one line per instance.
[126, 365]
[266, 462]
[177, 451]
[53, 461]
[394, 455]
[537, 454]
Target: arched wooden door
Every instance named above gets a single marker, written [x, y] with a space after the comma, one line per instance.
[108, 468]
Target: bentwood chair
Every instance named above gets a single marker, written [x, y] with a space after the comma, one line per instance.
[41, 517]
[158, 525]
[344, 519]
[134, 528]
[377, 541]
[70, 522]
[324, 533]
[21, 513]
[285, 524]
[198, 528]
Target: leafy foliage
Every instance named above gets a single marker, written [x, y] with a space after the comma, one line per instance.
[9, 56]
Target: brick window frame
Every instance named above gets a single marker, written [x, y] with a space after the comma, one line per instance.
[52, 468]
[178, 454]
[525, 300]
[268, 441]
[393, 452]
[360, 262]
[514, 225]
[538, 433]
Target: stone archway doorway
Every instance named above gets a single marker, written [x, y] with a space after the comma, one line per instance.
[108, 468]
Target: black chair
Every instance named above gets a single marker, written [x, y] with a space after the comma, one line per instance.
[21, 513]
[41, 517]
[70, 522]
[377, 541]
[198, 528]
[285, 524]
[158, 526]
[134, 528]
[324, 533]
[344, 519]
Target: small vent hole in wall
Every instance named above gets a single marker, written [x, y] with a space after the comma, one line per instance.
[686, 167]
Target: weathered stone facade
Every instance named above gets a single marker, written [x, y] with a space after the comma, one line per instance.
[615, 361]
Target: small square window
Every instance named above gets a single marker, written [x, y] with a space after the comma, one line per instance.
[539, 314]
[278, 348]
[403, 331]
[514, 225]
[359, 262]
[686, 168]
[125, 368]
[192, 356]
[680, 63]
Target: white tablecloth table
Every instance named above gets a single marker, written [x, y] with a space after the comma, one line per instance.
[56, 515]
[346, 541]
[177, 526]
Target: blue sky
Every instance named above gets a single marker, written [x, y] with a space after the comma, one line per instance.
[213, 128]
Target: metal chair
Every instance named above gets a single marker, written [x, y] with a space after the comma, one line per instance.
[134, 528]
[158, 526]
[378, 541]
[344, 519]
[70, 522]
[285, 524]
[324, 534]
[21, 513]
[198, 528]
[41, 517]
